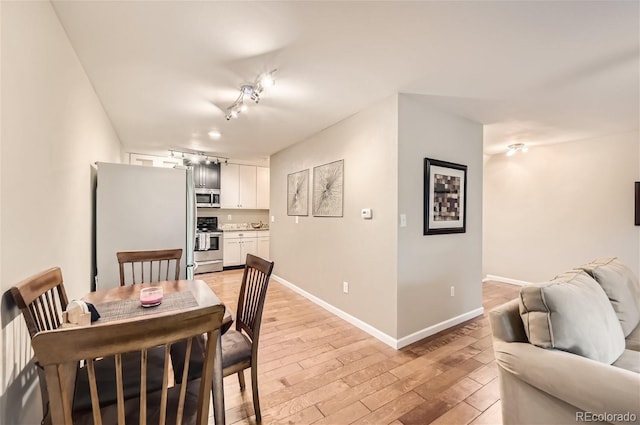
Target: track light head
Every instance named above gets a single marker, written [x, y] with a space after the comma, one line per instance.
[253, 91]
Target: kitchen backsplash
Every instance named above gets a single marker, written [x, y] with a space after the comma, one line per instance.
[237, 216]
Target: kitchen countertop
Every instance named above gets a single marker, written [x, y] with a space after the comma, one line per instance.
[243, 227]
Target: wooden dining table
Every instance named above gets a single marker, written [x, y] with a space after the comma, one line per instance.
[123, 303]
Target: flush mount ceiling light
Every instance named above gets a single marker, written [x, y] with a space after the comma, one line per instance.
[251, 91]
[215, 134]
[515, 148]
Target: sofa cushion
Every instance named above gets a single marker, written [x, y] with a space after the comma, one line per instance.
[572, 313]
[622, 288]
[629, 360]
[632, 342]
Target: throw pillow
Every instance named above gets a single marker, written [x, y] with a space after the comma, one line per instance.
[622, 288]
[572, 313]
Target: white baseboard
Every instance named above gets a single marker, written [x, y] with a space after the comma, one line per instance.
[438, 327]
[505, 280]
[376, 333]
[343, 315]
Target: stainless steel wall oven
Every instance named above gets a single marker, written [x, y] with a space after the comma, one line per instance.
[208, 245]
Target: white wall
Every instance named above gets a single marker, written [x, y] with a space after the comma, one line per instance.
[559, 206]
[429, 265]
[53, 129]
[319, 253]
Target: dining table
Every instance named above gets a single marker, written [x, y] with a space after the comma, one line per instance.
[123, 303]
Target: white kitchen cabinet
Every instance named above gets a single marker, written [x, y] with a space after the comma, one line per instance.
[262, 188]
[247, 186]
[231, 252]
[229, 186]
[236, 247]
[263, 245]
[154, 161]
[238, 186]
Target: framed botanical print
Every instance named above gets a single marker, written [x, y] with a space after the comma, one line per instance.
[298, 193]
[327, 189]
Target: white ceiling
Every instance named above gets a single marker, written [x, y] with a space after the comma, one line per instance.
[534, 72]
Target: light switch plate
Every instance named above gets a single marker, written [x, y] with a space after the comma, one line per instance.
[403, 220]
[366, 213]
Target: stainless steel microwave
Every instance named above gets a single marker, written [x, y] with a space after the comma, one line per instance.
[207, 198]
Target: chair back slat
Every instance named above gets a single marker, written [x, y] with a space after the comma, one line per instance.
[92, 343]
[149, 266]
[93, 387]
[183, 388]
[165, 385]
[253, 292]
[143, 386]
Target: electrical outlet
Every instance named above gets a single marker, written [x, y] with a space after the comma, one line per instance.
[403, 220]
[273, 218]
[229, 217]
[296, 219]
[453, 291]
[345, 287]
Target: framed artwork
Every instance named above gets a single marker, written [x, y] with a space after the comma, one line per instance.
[327, 189]
[637, 203]
[445, 197]
[298, 193]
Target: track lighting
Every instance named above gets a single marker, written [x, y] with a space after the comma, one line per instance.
[515, 148]
[196, 157]
[252, 91]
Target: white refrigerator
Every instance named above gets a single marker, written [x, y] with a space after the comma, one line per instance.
[142, 208]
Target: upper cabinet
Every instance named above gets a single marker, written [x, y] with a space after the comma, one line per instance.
[262, 194]
[154, 161]
[243, 186]
[206, 176]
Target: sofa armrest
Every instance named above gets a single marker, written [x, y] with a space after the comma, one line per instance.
[589, 385]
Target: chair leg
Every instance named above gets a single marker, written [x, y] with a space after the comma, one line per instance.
[241, 379]
[44, 396]
[254, 387]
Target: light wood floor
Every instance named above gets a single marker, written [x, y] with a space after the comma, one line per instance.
[316, 368]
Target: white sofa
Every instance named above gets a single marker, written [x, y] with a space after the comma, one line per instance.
[568, 350]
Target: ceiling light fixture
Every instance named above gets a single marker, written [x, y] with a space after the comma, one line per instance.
[215, 134]
[197, 156]
[515, 148]
[252, 91]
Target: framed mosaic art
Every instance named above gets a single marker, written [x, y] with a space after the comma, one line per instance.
[445, 197]
[298, 193]
[327, 189]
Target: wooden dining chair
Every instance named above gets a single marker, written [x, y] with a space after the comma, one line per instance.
[158, 265]
[41, 299]
[240, 345]
[188, 403]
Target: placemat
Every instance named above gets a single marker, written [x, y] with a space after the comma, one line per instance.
[126, 309]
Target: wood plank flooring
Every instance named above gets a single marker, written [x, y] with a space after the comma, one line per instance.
[315, 368]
